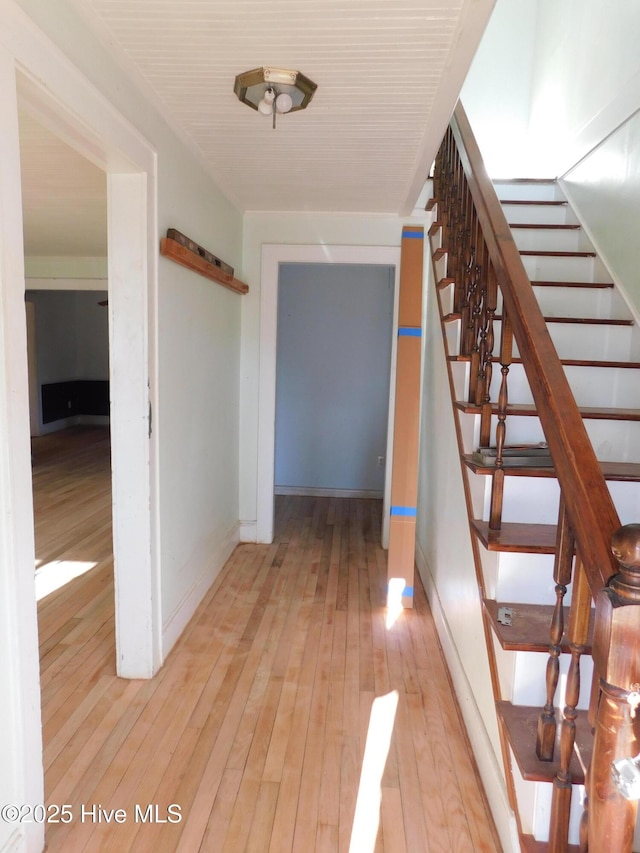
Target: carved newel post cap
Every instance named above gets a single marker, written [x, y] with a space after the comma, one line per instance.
[625, 546]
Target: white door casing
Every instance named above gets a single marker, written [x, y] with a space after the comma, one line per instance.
[272, 256]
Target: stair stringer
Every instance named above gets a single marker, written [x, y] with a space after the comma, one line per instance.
[447, 556]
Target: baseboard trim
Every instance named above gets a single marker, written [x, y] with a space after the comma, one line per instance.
[313, 492]
[488, 765]
[216, 557]
[248, 531]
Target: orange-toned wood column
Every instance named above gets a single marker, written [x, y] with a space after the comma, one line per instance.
[404, 475]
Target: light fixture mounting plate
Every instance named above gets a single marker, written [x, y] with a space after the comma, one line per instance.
[251, 86]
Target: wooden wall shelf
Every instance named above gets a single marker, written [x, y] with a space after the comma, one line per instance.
[186, 258]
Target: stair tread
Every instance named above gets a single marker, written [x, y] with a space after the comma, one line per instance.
[568, 362]
[529, 410]
[587, 321]
[521, 724]
[530, 845]
[547, 226]
[540, 201]
[530, 628]
[588, 284]
[555, 254]
[618, 471]
[517, 537]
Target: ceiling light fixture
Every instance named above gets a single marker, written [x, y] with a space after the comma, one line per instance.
[274, 90]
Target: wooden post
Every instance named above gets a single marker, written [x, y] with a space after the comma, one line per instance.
[404, 476]
[616, 655]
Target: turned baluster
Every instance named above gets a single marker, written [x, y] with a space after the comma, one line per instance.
[444, 184]
[497, 489]
[578, 635]
[486, 369]
[565, 545]
[468, 266]
[477, 318]
[616, 656]
[455, 269]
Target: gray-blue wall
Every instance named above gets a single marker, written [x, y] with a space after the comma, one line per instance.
[333, 362]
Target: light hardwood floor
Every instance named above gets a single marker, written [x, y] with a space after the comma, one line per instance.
[256, 725]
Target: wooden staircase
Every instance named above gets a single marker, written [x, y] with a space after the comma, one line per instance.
[527, 533]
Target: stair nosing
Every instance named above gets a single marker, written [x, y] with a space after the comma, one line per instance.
[554, 254]
[566, 362]
[547, 226]
[586, 321]
[586, 284]
[529, 410]
[611, 471]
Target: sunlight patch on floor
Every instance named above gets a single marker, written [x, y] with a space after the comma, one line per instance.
[367, 816]
[394, 600]
[54, 575]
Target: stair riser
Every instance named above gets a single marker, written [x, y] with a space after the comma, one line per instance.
[539, 214]
[586, 341]
[612, 440]
[528, 679]
[580, 302]
[551, 240]
[626, 497]
[519, 577]
[542, 268]
[591, 386]
[529, 190]
[531, 500]
[534, 806]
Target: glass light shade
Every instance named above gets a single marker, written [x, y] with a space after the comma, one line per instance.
[284, 102]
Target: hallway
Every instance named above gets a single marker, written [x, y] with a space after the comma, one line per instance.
[254, 730]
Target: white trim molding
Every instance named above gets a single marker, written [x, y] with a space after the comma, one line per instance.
[490, 770]
[272, 256]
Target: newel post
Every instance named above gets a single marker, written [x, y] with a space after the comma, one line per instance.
[616, 655]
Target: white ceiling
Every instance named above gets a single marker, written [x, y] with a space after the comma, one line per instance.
[388, 75]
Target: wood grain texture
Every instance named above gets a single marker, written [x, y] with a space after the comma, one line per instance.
[590, 507]
[257, 722]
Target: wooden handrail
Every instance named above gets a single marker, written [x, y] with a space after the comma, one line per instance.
[592, 514]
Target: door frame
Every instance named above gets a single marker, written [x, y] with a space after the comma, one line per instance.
[272, 256]
[73, 109]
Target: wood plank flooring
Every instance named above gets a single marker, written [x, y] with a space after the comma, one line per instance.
[254, 731]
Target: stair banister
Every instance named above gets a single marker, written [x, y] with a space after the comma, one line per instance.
[591, 511]
[591, 517]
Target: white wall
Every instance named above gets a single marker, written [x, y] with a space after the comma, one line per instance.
[586, 76]
[605, 191]
[550, 81]
[497, 90]
[334, 355]
[72, 335]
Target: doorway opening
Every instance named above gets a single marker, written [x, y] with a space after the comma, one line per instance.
[332, 389]
[273, 258]
[117, 212]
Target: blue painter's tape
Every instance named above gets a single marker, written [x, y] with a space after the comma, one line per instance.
[415, 235]
[410, 511]
[409, 332]
[407, 591]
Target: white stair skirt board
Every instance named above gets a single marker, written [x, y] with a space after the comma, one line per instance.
[483, 751]
[312, 491]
